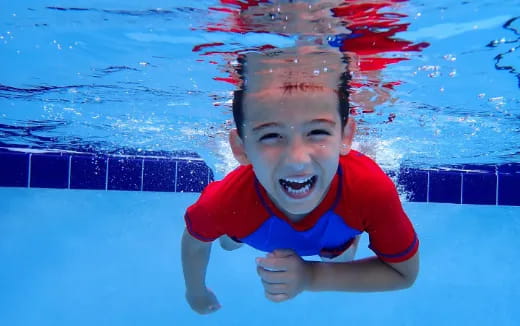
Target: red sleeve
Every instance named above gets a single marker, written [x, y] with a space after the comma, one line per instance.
[392, 236]
[202, 220]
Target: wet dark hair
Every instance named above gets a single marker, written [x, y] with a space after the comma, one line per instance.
[238, 97]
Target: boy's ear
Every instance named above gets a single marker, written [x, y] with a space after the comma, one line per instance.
[348, 135]
[237, 147]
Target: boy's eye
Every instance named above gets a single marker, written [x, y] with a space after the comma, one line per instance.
[271, 136]
[319, 132]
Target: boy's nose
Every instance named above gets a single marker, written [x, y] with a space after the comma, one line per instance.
[297, 155]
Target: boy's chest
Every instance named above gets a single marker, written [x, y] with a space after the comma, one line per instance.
[329, 233]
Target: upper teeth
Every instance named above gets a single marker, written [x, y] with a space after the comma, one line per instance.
[298, 180]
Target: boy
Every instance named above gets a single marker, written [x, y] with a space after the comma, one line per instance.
[300, 190]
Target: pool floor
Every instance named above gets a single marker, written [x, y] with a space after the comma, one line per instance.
[112, 258]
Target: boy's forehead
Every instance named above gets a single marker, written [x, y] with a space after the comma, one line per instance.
[297, 107]
[305, 68]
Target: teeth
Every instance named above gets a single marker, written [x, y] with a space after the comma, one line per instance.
[299, 191]
[299, 180]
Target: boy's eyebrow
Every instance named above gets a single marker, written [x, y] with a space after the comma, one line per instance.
[276, 124]
[327, 121]
[266, 125]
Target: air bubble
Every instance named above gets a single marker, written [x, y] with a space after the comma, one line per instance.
[450, 57]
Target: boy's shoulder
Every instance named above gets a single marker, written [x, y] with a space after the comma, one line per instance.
[223, 205]
[232, 188]
[359, 166]
[363, 178]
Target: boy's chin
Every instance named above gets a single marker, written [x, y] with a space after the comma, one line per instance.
[299, 211]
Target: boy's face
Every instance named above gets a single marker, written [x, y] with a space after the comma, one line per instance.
[293, 141]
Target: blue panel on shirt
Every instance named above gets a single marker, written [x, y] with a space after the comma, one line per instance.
[328, 233]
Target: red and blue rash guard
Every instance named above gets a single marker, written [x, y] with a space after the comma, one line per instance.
[361, 198]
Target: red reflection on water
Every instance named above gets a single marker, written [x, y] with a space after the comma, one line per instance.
[367, 35]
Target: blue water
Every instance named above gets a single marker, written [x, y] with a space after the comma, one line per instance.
[121, 77]
[113, 258]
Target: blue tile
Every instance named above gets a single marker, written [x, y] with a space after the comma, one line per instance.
[415, 183]
[211, 175]
[445, 187]
[509, 168]
[50, 171]
[192, 176]
[479, 188]
[179, 154]
[509, 189]
[480, 167]
[124, 173]
[88, 172]
[159, 175]
[14, 169]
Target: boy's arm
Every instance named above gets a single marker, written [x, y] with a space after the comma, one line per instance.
[284, 274]
[195, 257]
[364, 275]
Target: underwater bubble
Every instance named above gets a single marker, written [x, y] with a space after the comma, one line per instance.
[450, 57]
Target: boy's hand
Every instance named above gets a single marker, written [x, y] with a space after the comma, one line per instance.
[284, 274]
[203, 302]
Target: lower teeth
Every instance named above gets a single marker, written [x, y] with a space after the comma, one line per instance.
[298, 191]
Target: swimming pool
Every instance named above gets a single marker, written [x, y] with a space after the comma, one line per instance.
[68, 261]
[92, 115]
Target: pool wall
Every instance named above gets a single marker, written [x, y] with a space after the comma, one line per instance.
[185, 171]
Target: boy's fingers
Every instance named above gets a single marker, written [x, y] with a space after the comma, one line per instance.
[281, 253]
[276, 297]
[275, 288]
[269, 276]
[272, 264]
[214, 307]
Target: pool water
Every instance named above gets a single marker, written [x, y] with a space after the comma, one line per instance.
[113, 258]
[127, 77]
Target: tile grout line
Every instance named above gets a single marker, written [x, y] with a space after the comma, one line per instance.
[496, 188]
[461, 186]
[176, 168]
[106, 175]
[70, 171]
[142, 174]
[29, 174]
[428, 187]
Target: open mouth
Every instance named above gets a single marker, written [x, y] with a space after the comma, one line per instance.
[298, 187]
